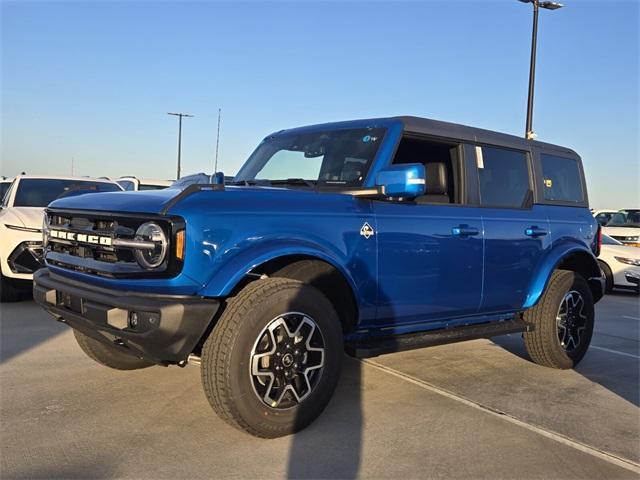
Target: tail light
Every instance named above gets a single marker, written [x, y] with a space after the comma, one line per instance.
[598, 241]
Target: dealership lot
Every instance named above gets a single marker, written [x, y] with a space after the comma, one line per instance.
[475, 409]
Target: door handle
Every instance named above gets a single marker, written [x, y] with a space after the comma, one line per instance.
[534, 231]
[464, 231]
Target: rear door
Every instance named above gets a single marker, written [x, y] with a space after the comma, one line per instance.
[516, 232]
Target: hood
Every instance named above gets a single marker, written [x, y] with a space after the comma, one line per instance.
[621, 231]
[163, 201]
[30, 217]
[622, 251]
[147, 201]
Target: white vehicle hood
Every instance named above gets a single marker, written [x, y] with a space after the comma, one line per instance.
[30, 217]
[621, 231]
[620, 251]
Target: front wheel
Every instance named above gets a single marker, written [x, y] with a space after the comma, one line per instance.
[8, 291]
[562, 322]
[608, 277]
[272, 362]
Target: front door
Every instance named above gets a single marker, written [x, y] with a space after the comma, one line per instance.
[429, 262]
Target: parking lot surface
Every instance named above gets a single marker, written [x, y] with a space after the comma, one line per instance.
[477, 409]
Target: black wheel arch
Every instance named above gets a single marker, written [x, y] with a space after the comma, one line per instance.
[586, 265]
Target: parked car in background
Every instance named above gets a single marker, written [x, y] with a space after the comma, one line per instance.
[21, 215]
[134, 184]
[4, 186]
[624, 226]
[620, 265]
[603, 216]
[376, 235]
[197, 179]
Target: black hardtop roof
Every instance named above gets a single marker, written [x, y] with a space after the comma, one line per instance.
[438, 128]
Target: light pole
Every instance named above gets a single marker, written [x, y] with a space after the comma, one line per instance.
[528, 133]
[179, 115]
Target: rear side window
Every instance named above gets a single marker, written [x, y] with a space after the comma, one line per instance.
[503, 176]
[562, 179]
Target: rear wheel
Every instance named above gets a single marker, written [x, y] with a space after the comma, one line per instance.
[272, 362]
[562, 322]
[109, 356]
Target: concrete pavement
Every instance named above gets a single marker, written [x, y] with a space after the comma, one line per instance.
[476, 409]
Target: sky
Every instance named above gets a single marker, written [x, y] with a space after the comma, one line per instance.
[87, 85]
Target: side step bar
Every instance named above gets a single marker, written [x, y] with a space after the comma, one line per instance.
[399, 343]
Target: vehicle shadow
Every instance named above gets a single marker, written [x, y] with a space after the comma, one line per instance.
[605, 363]
[331, 447]
[24, 326]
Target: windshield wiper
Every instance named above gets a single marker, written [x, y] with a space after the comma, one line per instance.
[248, 183]
[294, 181]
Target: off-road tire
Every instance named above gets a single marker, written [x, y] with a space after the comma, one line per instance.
[608, 277]
[226, 356]
[542, 342]
[109, 356]
[8, 291]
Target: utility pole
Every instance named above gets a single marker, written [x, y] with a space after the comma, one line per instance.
[179, 115]
[528, 132]
[215, 166]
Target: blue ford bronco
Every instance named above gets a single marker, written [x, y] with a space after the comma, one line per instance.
[370, 236]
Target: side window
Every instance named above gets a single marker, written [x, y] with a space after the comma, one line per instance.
[562, 179]
[503, 177]
[442, 167]
[7, 194]
[128, 185]
[603, 218]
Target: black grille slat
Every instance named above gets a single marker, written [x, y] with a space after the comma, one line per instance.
[90, 225]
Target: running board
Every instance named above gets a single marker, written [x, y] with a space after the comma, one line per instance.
[379, 346]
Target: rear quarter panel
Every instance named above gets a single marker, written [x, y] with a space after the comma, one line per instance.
[572, 229]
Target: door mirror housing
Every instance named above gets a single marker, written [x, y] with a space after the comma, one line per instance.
[406, 180]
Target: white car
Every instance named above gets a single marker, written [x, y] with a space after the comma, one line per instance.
[620, 265]
[624, 226]
[21, 214]
[603, 215]
[134, 184]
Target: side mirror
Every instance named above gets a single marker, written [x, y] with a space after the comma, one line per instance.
[407, 180]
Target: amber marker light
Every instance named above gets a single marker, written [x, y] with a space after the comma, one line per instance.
[180, 245]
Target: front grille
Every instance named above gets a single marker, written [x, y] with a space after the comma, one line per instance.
[82, 241]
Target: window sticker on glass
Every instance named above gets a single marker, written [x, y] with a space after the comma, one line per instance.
[548, 182]
[479, 158]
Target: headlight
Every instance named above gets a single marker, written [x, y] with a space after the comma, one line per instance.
[45, 231]
[629, 261]
[153, 257]
[631, 239]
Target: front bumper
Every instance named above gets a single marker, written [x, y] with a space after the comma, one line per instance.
[164, 329]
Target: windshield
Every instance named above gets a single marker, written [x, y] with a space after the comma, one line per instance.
[334, 157]
[36, 192]
[625, 218]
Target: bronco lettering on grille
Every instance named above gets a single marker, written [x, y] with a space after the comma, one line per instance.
[80, 237]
